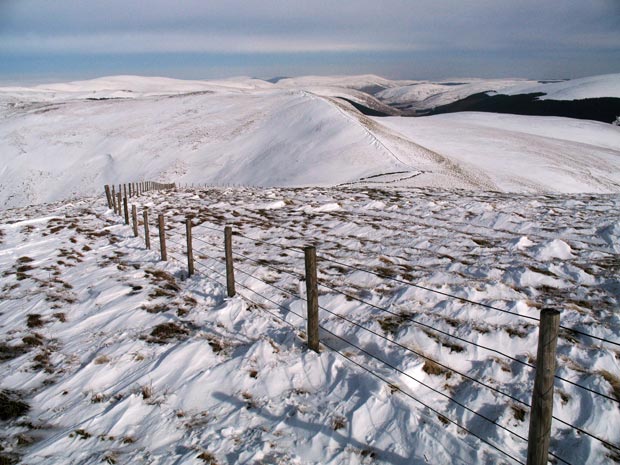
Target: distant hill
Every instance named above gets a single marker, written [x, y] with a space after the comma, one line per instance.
[69, 139]
[595, 98]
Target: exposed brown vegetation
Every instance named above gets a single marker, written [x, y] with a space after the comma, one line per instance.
[208, 458]
[34, 320]
[11, 405]
[165, 332]
[613, 380]
[432, 368]
[338, 422]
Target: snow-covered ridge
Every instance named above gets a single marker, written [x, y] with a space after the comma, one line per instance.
[128, 87]
[69, 139]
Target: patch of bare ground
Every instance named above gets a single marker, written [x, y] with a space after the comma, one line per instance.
[167, 332]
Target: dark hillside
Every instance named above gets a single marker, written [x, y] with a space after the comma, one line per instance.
[599, 109]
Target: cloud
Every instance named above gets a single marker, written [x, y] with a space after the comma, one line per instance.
[443, 27]
[188, 42]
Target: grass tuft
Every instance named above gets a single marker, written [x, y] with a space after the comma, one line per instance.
[518, 412]
[34, 321]
[164, 332]
[432, 368]
[11, 405]
[613, 380]
[338, 422]
[208, 458]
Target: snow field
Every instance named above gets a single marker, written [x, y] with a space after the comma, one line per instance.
[66, 140]
[147, 366]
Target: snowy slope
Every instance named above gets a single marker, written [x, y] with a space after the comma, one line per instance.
[428, 95]
[360, 82]
[515, 153]
[123, 360]
[69, 139]
[127, 87]
[55, 150]
[607, 85]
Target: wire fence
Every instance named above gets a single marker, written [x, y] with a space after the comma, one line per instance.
[209, 245]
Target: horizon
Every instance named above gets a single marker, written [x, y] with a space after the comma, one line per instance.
[51, 81]
[69, 40]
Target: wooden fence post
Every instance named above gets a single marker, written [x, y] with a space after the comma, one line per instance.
[108, 196]
[190, 252]
[230, 271]
[124, 190]
[134, 217]
[119, 200]
[126, 210]
[162, 238]
[312, 294]
[542, 397]
[147, 237]
[114, 199]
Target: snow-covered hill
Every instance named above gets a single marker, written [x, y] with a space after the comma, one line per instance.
[607, 85]
[427, 95]
[67, 140]
[516, 153]
[424, 95]
[110, 356]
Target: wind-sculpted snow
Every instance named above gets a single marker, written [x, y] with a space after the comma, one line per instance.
[121, 358]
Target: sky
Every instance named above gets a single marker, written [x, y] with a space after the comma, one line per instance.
[55, 40]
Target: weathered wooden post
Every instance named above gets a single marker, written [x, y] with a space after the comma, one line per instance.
[162, 237]
[120, 203]
[230, 271]
[126, 209]
[542, 398]
[134, 217]
[124, 190]
[108, 196]
[129, 189]
[147, 236]
[312, 294]
[114, 199]
[190, 252]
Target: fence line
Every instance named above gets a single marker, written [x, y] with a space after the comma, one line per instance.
[298, 249]
[537, 443]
